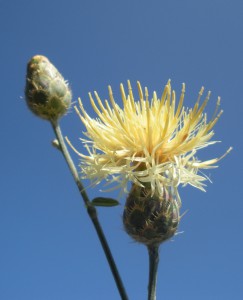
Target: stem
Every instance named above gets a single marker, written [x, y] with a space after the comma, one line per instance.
[153, 268]
[91, 211]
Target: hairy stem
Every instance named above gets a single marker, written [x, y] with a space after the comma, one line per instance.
[92, 212]
[153, 269]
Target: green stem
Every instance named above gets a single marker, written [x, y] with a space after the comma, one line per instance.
[91, 211]
[153, 270]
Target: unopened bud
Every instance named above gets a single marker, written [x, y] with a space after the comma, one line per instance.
[47, 93]
[150, 220]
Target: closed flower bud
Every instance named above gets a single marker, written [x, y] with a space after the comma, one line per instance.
[47, 93]
[150, 220]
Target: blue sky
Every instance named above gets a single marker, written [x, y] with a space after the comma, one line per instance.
[49, 250]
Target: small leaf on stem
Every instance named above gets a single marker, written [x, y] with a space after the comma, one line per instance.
[105, 202]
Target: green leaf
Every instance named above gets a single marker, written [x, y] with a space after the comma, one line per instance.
[105, 202]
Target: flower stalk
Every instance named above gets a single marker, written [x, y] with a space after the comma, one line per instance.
[153, 251]
[92, 212]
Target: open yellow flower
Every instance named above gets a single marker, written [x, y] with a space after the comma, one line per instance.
[150, 143]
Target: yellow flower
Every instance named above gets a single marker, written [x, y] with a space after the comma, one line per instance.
[150, 143]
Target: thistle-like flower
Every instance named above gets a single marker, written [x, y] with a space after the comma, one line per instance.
[146, 142]
[152, 144]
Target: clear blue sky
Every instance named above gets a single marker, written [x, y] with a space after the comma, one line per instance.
[49, 250]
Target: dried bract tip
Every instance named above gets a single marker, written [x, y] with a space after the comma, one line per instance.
[47, 93]
[150, 220]
[56, 144]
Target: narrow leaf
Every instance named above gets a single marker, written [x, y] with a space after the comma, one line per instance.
[106, 202]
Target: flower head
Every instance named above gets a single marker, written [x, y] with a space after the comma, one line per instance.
[150, 143]
[47, 93]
